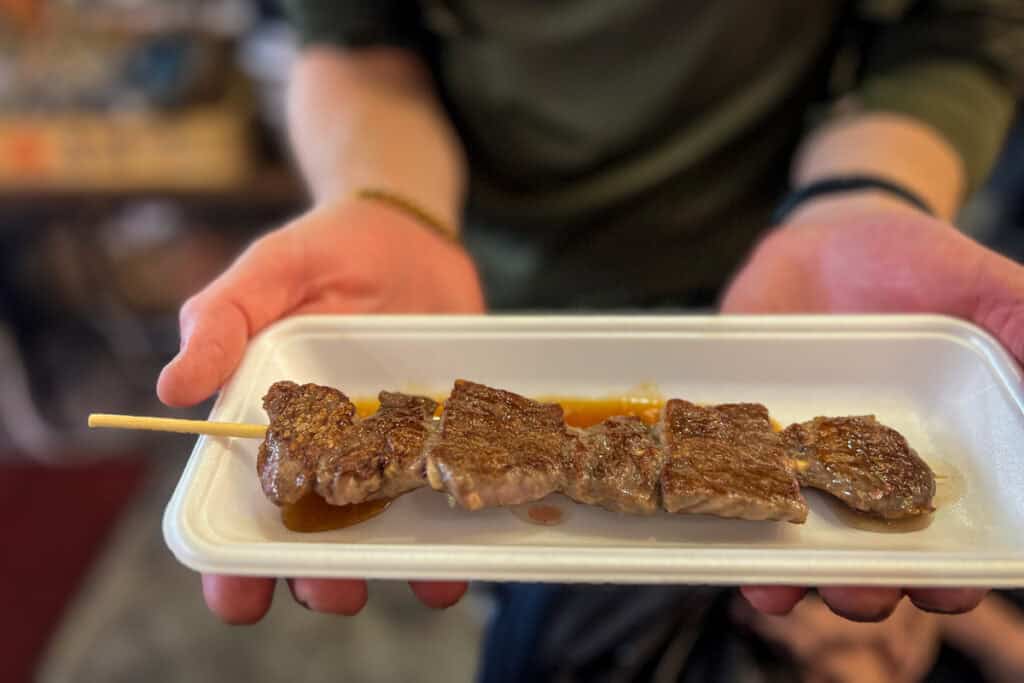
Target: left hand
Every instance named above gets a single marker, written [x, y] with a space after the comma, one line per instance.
[867, 253]
[902, 649]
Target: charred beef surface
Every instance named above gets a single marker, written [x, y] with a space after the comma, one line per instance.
[496, 448]
[306, 423]
[615, 464]
[865, 464]
[380, 456]
[726, 460]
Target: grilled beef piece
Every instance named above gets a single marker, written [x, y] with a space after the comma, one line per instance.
[865, 464]
[614, 464]
[726, 460]
[496, 448]
[306, 422]
[381, 456]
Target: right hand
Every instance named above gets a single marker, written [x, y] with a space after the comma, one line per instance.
[351, 256]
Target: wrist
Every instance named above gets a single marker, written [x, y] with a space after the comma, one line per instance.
[391, 246]
[418, 253]
[854, 191]
[410, 208]
[827, 208]
[893, 147]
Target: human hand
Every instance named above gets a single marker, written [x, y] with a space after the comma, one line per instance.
[353, 256]
[869, 254]
[902, 649]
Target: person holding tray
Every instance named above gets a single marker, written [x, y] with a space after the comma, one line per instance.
[769, 157]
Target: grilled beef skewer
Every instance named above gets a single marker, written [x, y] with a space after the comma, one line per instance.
[493, 447]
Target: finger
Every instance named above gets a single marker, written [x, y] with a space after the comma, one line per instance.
[861, 604]
[263, 284]
[214, 334]
[333, 596]
[238, 599]
[439, 594]
[774, 600]
[946, 600]
[1000, 302]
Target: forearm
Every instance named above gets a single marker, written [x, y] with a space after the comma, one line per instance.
[369, 118]
[891, 146]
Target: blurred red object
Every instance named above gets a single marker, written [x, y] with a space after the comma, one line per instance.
[54, 522]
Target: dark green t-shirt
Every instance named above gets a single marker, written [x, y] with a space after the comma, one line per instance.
[629, 149]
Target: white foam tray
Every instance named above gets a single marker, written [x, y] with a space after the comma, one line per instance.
[946, 385]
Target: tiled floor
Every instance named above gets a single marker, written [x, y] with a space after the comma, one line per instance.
[141, 617]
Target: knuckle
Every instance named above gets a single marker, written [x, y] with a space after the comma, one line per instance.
[191, 309]
[1005, 319]
[277, 254]
[269, 240]
[191, 305]
[279, 242]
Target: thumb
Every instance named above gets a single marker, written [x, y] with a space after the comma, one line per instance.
[1000, 302]
[926, 267]
[263, 284]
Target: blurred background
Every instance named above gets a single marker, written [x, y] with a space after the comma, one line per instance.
[140, 148]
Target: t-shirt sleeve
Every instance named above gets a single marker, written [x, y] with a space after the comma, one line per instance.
[357, 23]
[957, 65]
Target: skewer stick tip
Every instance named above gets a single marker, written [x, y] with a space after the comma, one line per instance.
[162, 424]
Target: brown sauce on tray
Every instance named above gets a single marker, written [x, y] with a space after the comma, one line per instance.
[541, 514]
[313, 513]
[864, 522]
[544, 514]
[587, 413]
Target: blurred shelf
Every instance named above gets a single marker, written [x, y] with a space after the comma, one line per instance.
[267, 188]
[221, 18]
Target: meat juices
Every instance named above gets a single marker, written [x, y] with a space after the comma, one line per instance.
[496, 448]
[380, 456]
[726, 460]
[615, 464]
[865, 464]
[306, 423]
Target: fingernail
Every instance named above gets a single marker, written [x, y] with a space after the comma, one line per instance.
[935, 609]
[869, 618]
[866, 618]
[301, 599]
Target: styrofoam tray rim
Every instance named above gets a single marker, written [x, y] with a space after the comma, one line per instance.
[849, 325]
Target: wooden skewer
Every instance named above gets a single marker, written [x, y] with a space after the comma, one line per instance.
[164, 424]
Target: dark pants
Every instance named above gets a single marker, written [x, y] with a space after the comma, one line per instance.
[605, 633]
[555, 633]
